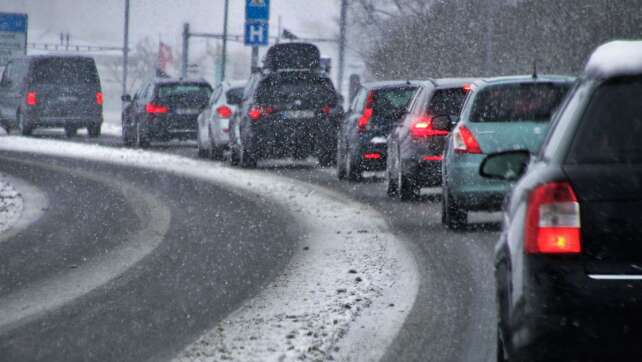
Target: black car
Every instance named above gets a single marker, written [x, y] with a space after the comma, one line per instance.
[416, 144]
[361, 142]
[288, 110]
[568, 263]
[164, 109]
[51, 91]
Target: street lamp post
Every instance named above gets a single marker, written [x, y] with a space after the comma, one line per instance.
[223, 62]
[126, 47]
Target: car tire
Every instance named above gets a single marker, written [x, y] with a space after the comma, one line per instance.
[217, 153]
[327, 158]
[391, 185]
[141, 140]
[71, 131]
[24, 128]
[452, 216]
[501, 354]
[340, 164]
[353, 169]
[407, 189]
[246, 159]
[202, 153]
[94, 130]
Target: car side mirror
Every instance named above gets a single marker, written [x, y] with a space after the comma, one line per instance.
[443, 123]
[126, 98]
[507, 165]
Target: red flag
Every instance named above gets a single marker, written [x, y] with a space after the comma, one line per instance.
[164, 56]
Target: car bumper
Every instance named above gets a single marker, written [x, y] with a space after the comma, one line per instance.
[567, 304]
[166, 128]
[35, 119]
[268, 139]
[468, 189]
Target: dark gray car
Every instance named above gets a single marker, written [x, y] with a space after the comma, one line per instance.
[51, 91]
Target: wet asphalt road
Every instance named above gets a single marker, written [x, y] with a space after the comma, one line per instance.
[204, 267]
[454, 315]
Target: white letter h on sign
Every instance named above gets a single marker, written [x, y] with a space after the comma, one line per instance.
[256, 33]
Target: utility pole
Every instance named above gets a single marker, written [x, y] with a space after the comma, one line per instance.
[255, 57]
[342, 43]
[185, 57]
[224, 41]
[126, 47]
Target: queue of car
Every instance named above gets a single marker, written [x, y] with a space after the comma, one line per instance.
[560, 155]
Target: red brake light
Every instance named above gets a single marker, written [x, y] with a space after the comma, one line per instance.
[153, 108]
[372, 156]
[32, 99]
[433, 158]
[468, 87]
[224, 111]
[422, 127]
[367, 112]
[99, 98]
[256, 112]
[465, 142]
[553, 220]
[326, 109]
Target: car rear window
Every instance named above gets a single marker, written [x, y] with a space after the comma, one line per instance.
[447, 101]
[524, 102]
[611, 128]
[235, 95]
[284, 90]
[184, 89]
[389, 104]
[64, 71]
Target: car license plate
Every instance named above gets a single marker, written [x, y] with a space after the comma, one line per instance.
[187, 111]
[298, 114]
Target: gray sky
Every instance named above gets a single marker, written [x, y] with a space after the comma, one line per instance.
[101, 21]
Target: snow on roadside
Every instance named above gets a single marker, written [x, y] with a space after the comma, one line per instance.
[11, 204]
[350, 277]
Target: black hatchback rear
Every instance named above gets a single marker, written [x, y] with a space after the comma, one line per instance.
[51, 91]
[164, 109]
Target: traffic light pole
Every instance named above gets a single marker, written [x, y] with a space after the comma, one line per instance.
[126, 47]
[224, 60]
[184, 56]
[342, 43]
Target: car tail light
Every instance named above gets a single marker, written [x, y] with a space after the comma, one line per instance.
[256, 112]
[32, 99]
[433, 158]
[372, 156]
[468, 88]
[326, 109]
[154, 108]
[553, 220]
[224, 112]
[422, 128]
[465, 142]
[99, 98]
[367, 112]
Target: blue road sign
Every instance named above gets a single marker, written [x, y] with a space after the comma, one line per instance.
[14, 23]
[256, 33]
[257, 10]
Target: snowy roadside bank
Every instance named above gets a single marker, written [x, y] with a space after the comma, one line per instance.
[350, 283]
[11, 204]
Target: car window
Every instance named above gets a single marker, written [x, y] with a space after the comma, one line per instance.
[64, 71]
[234, 95]
[610, 129]
[524, 102]
[359, 101]
[305, 88]
[447, 101]
[184, 90]
[216, 94]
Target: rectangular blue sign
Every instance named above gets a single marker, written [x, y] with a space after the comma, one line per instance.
[256, 33]
[257, 10]
[13, 23]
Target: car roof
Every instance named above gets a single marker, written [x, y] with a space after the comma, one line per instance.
[514, 79]
[179, 80]
[616, 58]
[235, 83]
[392, 84]
[53, 56]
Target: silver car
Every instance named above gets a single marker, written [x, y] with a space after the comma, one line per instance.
[213, 122]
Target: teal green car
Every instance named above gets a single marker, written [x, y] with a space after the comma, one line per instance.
[500, 114]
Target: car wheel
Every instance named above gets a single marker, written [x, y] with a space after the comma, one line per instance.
[24, 128]
[141, 140]
[94, 130]
[246, 160]
[501, 354]
[452, 216]
[391, 189]
[71, 131]
[406, 187]
[341, 165]
[353, 169]
[217, 153]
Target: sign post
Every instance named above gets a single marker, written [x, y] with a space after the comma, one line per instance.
[13, 36]
[257, 26]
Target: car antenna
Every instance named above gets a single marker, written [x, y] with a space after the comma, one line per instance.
[534, 69]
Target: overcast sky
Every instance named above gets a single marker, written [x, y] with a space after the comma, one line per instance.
[101, 21]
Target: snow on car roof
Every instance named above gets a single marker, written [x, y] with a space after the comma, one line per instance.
[616, 58]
